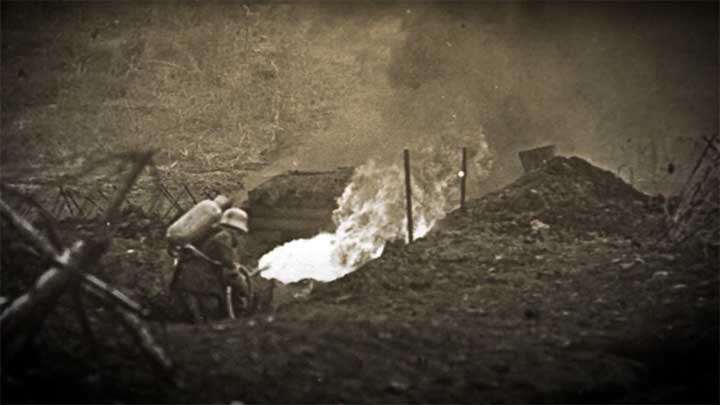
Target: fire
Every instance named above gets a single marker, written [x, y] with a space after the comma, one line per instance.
[371, 212]
[304, 258]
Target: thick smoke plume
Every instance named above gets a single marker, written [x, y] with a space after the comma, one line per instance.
[620, 84]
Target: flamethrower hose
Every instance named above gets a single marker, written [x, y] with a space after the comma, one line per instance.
[229, 302]
[244, 270]
[197, 252]
[248, 278]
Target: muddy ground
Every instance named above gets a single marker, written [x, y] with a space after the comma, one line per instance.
[483, 309]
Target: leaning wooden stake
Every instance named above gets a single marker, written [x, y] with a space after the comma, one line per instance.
[408, 196]
[25, 316]
[44, 245]
[29, 310]
[463, 176]
[45, 216]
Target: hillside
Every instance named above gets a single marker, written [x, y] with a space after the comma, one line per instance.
[485, 308]
[223, 90]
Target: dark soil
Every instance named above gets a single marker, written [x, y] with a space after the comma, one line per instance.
[483, 309]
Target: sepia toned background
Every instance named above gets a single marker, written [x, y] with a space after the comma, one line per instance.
[318, 85]
[591, 277]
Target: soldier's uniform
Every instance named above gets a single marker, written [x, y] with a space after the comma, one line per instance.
[200, 283]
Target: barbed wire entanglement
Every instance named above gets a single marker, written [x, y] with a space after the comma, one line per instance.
[66, 266]
[81, 191]
[696, 218]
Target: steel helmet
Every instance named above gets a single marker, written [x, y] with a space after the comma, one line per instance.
[235, 218]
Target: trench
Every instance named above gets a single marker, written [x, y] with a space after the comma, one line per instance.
[292, 206]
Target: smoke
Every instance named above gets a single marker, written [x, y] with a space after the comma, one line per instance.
[617, 83]
[605, 81]
[372, 211]
[630, 83]
[609, 82]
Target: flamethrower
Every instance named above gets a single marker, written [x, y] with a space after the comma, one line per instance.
[228, 276]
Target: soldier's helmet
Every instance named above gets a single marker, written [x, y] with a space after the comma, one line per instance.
[235, 218]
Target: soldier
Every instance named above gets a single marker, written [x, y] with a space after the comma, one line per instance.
[203, 273]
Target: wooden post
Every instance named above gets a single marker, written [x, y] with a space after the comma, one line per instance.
[463, 176]
[408, 196]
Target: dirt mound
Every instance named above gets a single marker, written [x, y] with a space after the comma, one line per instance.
[582, 288]
[574, 198]
[568, 194]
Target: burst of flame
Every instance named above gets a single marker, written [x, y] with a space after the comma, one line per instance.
[371, 212]
[304, 258]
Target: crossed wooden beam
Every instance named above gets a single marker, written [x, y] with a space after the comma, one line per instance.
[26, 314]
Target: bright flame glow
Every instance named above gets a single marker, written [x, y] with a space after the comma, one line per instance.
[304, 258]
[371, 212]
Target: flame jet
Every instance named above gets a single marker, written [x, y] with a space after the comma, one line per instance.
[371, 212]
